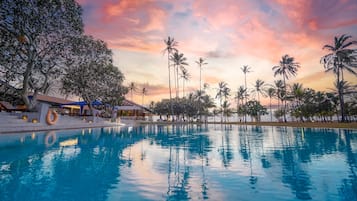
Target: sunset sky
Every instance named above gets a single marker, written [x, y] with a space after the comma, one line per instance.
[227, 33]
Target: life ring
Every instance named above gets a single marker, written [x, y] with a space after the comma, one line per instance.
[50, 138]
[49, 120]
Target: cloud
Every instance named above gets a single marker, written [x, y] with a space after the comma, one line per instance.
[228, 33]
[126, 24]
[318, 14]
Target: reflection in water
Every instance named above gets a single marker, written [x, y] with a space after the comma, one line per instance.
[180, 162]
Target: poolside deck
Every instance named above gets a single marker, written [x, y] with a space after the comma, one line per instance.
[11, 123]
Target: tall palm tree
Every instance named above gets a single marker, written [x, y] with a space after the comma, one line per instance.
[341, 57]
[185, 75]
[132, 87]
[287, 67]
[201, 62]
[271, 93]
[144, 92]
[171, 45]
[259, 88]
[179, 61]
[223, 92]
[246, 69]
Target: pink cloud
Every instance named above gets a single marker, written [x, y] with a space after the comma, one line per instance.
[127, 24]
[318, 14]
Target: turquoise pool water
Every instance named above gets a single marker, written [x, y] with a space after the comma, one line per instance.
[180, 163]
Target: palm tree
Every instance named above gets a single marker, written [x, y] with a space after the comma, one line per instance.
[152, 105]
[287, 67]
[342, 57]
[271, 93]
[279, 86]
[223, 92]
[143, 93]
[246, 69]
[240, 97]
[201, 62]
[207, 103]
[198, 97]
[179, 61]
[132, 87]
[259, 88]
[185, 77]
[297, 93]
[170, 47]
[225, 109]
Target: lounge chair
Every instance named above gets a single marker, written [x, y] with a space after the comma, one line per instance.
[8, 107]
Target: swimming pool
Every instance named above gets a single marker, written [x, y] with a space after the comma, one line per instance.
[183, 162]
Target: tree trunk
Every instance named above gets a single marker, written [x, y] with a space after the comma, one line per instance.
[284, 100]
[271, 112]
[245, 96]
[178, 83]
[168, 65]
[25, 87]
[175, 79]
[200, 78]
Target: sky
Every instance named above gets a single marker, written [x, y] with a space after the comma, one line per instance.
[228, 34]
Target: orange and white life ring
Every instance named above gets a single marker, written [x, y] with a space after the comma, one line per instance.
[49, 119]
[50, 138]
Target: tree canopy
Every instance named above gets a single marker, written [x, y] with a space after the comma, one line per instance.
[34, 44]
[92, 75]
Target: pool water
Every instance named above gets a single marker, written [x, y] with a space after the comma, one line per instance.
[183, 162]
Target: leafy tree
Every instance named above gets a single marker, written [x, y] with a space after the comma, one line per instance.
[92, 75]
[195, 105]
[35, 43]
[341, 57]
[255, 109]
[287, 67]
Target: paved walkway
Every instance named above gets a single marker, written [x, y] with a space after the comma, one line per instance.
[12, 123]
